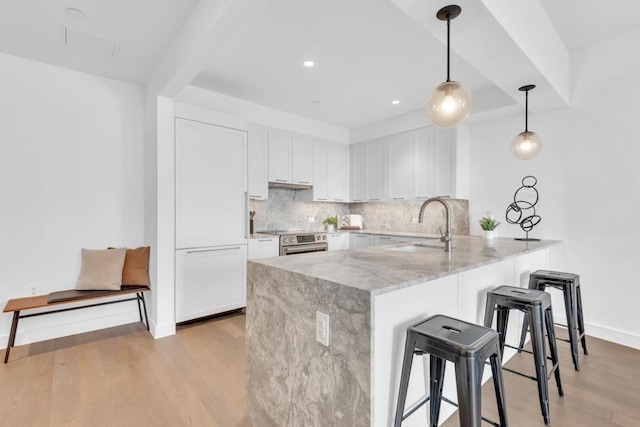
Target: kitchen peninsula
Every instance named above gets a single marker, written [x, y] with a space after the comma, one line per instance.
[371, 295]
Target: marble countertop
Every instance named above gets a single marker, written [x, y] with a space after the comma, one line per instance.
[379, 270]
[263, 236]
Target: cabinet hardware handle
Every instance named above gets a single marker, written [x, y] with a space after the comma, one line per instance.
[398, 198]
[281, 180]
[265, 240]
[303, 182]
[357, 200]
[214, 250]
[322, 200]
[385, 238]
[374, 200]
[254, 196]
[338, 200]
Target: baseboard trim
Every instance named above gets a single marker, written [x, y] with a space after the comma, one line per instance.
[606, 333]
[161, 331]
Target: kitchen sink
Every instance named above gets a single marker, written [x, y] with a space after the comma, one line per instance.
[417, 248]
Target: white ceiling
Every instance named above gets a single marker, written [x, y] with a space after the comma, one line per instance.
[143, 28]
[367, 52]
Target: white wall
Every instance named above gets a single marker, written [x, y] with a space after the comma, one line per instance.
[71, 176]
[589, 181]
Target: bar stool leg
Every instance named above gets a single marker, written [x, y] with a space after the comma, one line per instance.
[501, 327]
[581, 321]
[496, 370]
[410, 345]
[540, 359]
[523, 334]
[436, 382]
[571, 308]
[553, 349]
[468, 382]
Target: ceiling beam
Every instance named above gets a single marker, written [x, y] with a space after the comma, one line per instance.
[512, 43]
[210, 23]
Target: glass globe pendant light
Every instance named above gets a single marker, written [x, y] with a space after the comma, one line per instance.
[450, 102]
[526, 145]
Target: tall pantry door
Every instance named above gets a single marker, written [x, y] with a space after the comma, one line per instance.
[211, 185]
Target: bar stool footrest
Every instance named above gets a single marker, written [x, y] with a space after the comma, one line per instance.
[486, 420]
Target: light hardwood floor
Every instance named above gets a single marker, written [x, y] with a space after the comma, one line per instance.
[123, 377]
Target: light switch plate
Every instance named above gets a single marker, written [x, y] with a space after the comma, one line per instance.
[312, 219]
[323, 331]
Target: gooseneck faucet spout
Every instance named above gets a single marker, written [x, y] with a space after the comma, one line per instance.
[446, 237]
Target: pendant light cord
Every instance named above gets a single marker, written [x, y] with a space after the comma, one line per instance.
[526, 111]
[448, 45]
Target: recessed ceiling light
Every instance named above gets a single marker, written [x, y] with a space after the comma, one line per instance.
[315, 102]
[75, 13]
[395, 102]
[308, 64]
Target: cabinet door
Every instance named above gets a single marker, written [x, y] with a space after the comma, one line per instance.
[210, 281]
[337, 171]
[302, 160]
[445, 140]
[424, 180]
[360, 241]
[264, 248]
[210, 174]
[258, 163]
[279, 157]
[400, 149]
[375, 171]
[357, 173]
[320, 171]
[337, 241]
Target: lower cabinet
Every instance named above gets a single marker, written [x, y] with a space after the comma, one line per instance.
[210, 281]
[264, 248]
[338, 241]
[357, 241]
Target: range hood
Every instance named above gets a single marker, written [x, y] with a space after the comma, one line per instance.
[290, 186]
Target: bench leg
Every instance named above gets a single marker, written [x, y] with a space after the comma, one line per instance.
[139, 306]
[141, 297]
[12, 335]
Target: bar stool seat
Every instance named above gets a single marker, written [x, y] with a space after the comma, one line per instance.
[465, 344]
[569, 284]
[536, 306]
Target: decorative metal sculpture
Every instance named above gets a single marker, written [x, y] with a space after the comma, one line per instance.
[523, 209]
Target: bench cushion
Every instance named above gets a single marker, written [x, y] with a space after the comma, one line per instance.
[136, 267]
[75, 295]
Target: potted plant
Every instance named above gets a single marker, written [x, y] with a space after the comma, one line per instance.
[489, 225]
[331, 223]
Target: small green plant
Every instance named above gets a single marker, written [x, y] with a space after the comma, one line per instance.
[488, 224]
[332, 220]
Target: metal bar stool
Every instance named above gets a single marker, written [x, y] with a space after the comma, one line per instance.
[569, 284]
[466, 345]
[536, 306]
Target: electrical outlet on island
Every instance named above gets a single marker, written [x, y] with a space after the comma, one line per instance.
[323, 330]
[312, 219]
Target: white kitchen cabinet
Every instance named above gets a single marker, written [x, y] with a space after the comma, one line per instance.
[258, 170]
[400, 155]
[434, 162]
[320, 171]
[357, 241]
[211, 185]
[210, 281]
[329, 171]
[266, 247]
[279, 156]
[392, 240]
[337, 171]
[301, 160]
[357, 173]
[338, 241]
[374, 170]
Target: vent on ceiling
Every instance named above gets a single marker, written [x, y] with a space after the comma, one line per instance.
[89, 42]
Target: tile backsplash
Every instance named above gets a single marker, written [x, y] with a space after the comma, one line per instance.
[285, 209]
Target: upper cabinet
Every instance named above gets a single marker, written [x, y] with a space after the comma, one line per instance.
[357, 173]
[337, 169]
[400, 149]
[374, 170]
[413, 165]
[279, 156]
[258, 167]
[290, 158]
[301, 160]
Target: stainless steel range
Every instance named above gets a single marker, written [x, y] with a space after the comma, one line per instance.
[293, 242]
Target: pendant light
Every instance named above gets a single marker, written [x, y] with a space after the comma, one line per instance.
[450, 102]
[526, 145]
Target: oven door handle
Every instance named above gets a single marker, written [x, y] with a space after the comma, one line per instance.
[290, 250]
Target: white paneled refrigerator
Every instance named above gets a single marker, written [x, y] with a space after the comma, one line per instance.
[212, 222]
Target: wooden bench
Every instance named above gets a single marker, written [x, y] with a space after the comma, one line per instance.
[56, 299]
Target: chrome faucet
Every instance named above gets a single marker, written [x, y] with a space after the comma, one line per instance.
[446, 237]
